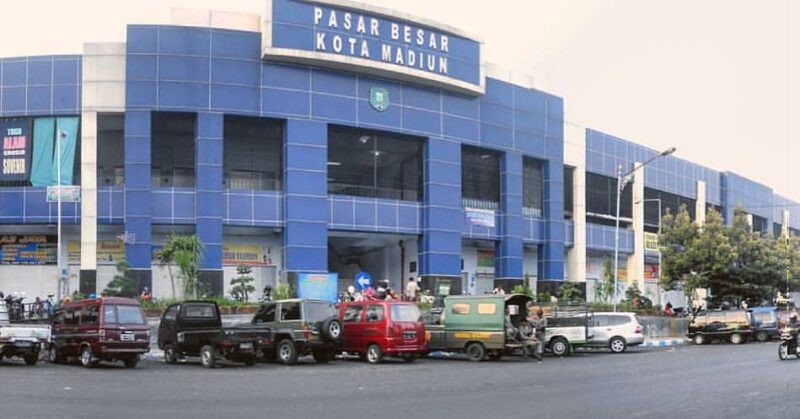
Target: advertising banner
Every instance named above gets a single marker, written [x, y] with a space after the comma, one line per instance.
[28, 250]
[651, 269]
[247, 254]
[108, 252]
[651, 242]
[16, 150]
[318, 286]
[480, 217]
[486, 258]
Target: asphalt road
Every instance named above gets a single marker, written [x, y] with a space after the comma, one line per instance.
[713, 381]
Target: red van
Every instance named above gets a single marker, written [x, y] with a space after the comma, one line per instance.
[375, 329]
[100, 329]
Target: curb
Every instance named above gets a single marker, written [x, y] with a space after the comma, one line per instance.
[153, 355]
[664, 343]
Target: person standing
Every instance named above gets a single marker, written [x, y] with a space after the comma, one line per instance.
[411, 290]
[539, 324]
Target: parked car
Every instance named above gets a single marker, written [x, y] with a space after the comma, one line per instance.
[568, 327]
[764, 322]
[375, 329]
[100, 329]
[194, 328]
[475, 325]
[299, 327]
[616, 331]
[21, 340]
[731, 325]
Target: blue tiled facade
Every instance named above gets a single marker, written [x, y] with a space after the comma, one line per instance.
[213, 73]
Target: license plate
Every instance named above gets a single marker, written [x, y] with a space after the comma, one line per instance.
[247, 345]
[127, 337]
[410, 335]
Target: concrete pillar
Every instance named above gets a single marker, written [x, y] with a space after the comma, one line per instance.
[209, 200]
[635, 266]
[305, 236]
[551, 253]
[508, 262]
[700, 203]
[785, 223]
[138, 217]
[575, 156]
[442, 215]
[102, 90]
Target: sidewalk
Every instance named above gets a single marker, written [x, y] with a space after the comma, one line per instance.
[664, 342]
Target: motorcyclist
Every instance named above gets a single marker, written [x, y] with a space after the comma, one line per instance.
[794, 327]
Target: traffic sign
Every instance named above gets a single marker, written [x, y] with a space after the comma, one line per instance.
[69, 193]
[363, 280]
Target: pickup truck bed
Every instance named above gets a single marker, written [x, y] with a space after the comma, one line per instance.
[21, 340]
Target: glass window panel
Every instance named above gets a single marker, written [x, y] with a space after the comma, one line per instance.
[532, 187]
[173, 149]
[480, 178]
[253, 153]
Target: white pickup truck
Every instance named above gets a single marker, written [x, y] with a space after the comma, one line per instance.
[21, 340]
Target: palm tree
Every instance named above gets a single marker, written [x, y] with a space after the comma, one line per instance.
[167, 257]
[186, 251]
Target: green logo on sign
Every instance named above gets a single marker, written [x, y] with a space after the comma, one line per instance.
[379, 98]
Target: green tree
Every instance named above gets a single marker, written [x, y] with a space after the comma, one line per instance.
[121, 285]
[569, 292]
[242, 285]
[604, 287]
[186, 251]
[692, 257]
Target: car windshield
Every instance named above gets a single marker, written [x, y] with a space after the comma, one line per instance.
[319, 311]
[405, 313]
[129, 315]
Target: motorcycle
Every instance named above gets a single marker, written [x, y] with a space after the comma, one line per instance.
[788, 345]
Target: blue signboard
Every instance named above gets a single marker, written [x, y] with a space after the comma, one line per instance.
[377, 41]
[363, 280]
[28, 250]
[15, 150]
[318, 286]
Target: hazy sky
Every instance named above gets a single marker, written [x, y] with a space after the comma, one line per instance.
[715, 78]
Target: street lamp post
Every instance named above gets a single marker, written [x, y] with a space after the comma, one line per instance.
[622, 181]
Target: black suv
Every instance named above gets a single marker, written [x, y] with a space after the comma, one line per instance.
[299, 327]
[193, 328]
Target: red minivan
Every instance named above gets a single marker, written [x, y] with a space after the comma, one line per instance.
[100, 329]
[375, 329]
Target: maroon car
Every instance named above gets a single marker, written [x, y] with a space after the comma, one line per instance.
[100, 329]
[375, 329]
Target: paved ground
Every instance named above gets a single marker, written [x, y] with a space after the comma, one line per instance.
[714, 381]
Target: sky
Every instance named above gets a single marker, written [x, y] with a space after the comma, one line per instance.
[715, 78]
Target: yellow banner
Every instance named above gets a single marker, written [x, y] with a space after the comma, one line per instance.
[247, 254]
[108, 252]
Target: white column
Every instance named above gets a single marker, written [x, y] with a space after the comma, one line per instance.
[785, 223]
[700, 203]
[88, 190]
[635, 268]
[575, 156]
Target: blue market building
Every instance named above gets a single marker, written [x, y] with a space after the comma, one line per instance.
[324, 137]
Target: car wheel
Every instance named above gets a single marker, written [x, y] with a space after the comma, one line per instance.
[737, 339]
[374, 354]
[322, 356]
[285, 352]
[131, 362]
[783, 351]
[170, 357]
[699, 339]
[54, 356]
[475, 352]
[559, 347]
[409, 357]
[207, 356]
[31, 359]
[332, 329]
[617, 345]
[762, 336]
[87, 358]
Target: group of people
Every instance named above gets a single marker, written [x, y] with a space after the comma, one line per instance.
[19, 310]
[529, 333]
[382, 291]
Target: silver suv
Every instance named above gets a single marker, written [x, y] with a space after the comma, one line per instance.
[616, 331]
